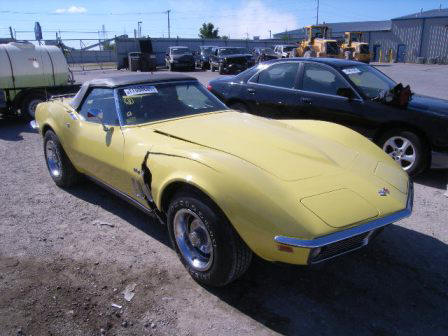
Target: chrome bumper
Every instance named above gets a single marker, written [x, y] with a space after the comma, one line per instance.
[439, 160]
[34, 124]
[365, 232]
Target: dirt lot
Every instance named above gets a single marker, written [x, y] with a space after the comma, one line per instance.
[67, 255]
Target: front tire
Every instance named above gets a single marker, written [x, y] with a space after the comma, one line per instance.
[406, 148]
[61, 170]
[212, 67]
[221, 69]
[206, 243]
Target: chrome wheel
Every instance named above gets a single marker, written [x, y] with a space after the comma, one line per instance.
[193, 239]
[402, 151]
[53, 158]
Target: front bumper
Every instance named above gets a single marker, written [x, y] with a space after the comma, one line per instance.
[342, 242]
[439, 160]
[234, 67]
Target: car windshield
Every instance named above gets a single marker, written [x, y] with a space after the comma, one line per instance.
[368, 79]
[232, 51]
[178, 51]
[268, 51]
[144, 103]
[207, 50]
[289, 48]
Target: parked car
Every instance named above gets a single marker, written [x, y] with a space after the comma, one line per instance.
[283, 51]
[230, 60]
[263, 54]
[179, 58]
[203, 59]
[227, 184]
[414, 133]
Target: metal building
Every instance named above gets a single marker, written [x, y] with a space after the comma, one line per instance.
[421, 37]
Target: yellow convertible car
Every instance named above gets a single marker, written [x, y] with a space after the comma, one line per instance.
[227, 184]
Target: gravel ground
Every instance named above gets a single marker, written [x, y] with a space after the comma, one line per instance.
[67, 255]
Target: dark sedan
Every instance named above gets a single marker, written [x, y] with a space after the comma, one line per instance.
[230, 60]
[411, 128]
[264, 54]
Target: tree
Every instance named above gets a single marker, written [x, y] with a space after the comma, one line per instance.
[107, 45]
[208, 31]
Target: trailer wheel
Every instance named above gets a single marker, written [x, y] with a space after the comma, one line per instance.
[29, 104]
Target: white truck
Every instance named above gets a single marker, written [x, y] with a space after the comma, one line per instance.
[30, 74]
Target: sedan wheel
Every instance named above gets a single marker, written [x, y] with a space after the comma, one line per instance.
[406, 149]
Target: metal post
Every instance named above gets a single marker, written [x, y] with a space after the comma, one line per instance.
[270, 34]
[317, 16]
[10, 32]
[169, 27]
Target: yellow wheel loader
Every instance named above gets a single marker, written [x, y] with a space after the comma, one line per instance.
[354, 49]
[317, 43]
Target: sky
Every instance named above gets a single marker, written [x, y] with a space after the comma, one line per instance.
[82, 19]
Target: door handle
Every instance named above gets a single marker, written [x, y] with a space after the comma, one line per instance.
[67, 124]
[251, 90]
[307, 101]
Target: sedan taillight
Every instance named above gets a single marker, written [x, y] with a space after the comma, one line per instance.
[209, 87]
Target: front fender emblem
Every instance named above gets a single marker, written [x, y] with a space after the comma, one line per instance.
[383, 192]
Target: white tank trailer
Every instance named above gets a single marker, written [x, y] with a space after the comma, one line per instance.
[30, 74]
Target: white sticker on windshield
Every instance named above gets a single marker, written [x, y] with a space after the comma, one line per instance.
[140, 90]
[351, 71]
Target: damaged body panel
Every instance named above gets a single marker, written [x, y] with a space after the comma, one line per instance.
[271, 180]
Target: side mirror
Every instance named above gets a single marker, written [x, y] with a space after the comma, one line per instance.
[346, 92]
[94, 113]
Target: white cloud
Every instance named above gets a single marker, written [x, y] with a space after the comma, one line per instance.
[255, 19]
[71, 10]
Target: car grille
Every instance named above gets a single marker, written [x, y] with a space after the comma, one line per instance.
[344, 246]
[186, 59]
[240, 61]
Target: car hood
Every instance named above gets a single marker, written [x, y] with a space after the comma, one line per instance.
[285, 152]
[236, 56]
[426, 103]
[181, 55]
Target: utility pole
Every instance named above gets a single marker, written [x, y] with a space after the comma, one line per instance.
[317, 16]
[168, 12]
[270, 34]
[139, 28]
[10, 32]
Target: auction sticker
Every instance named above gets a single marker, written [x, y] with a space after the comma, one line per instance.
[140, 90]
[351, 71]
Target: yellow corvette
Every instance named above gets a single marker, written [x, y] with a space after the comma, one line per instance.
[227, 184]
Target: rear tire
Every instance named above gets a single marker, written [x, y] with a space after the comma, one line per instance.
[221, 69]
[61, 170]
[206, 243]
[406, 148]
[29, 104]
[212, 68]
